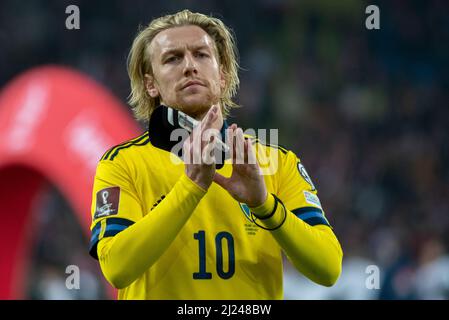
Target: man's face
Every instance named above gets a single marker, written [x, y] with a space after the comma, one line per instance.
[186, 72]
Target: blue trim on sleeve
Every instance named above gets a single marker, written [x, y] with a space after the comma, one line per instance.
[307, 215]
[316, 220]
[96, 230]
[311, 215]
[113, 226]
[95, 235]
[303, 210]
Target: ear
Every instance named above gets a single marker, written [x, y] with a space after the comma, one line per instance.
[151, 86]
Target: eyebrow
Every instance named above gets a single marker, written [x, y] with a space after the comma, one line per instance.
[178, 50]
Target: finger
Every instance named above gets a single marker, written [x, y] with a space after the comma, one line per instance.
[245, 151]
[209, 142]
[203, 135]
[208, 153]
[251, 154]
[186, 151]
[230, 133]
[210, 117]
[196, 147]
[203, 121]
[240, 146]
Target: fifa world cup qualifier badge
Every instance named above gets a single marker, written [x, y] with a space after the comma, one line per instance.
[107, 202]
[305, 175]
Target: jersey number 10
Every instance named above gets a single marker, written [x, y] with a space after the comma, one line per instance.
[201, 237]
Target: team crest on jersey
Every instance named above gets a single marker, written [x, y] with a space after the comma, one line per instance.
[107, 202]
[250, 227]
[246, 211]
[305, 175]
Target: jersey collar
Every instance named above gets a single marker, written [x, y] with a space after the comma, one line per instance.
[160, 129]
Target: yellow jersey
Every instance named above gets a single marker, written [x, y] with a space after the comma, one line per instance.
[219, 253]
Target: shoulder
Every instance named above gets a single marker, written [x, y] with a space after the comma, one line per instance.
[272, 157]
[263, 148]
[124, 147]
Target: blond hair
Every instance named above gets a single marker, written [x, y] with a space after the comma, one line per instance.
[139, 62]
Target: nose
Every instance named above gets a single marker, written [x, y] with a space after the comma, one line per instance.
[190, 66]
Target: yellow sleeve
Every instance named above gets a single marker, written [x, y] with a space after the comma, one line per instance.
[304, 233]
[298, 192]
[115, 204]
[127, 255]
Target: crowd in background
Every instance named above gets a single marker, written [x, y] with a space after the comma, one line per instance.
[365, 110]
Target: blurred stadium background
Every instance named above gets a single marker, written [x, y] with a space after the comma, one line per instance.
[366, 110]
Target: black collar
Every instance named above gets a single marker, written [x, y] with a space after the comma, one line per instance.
[160, 129]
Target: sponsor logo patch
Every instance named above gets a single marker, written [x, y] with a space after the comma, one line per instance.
[312, 199]
[107, 202]
[305, 175]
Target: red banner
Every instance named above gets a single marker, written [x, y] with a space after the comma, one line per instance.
[55, 124]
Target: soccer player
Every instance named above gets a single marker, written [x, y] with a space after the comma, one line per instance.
[165, 229]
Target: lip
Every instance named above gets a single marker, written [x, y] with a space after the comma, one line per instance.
[191, 83]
